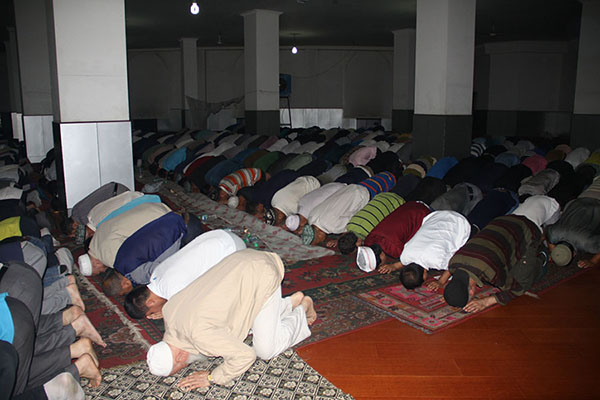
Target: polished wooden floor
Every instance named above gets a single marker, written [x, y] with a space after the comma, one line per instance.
[529, 349]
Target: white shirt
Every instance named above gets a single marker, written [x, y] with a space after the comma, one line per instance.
[332, 215]
[539, 209]
[200, 255]
[317, 196]
[439, 237]
[286, 199]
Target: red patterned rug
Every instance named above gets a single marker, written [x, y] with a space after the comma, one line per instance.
[426, 310]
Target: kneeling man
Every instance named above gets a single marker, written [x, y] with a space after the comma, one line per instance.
[213, 315]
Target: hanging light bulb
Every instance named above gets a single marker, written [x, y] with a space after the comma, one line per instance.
[294, 50]
[194, 8]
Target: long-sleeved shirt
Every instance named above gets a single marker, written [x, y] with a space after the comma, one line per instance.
[380, 206]
[492, 255]
[143, 251]
[332, 215]
[104, 208]
[81, 210]
[316, 197]
[110, 235]
[287, 198]
[441, 234]
[213, 315]
[192, 261]
[396, 229]
[233, 182]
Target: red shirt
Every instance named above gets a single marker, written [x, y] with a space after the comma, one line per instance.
[397, 228]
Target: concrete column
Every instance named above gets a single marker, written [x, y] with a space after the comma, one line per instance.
[403, 101]
[586, 109]
[261, 71]
[34, 69]
[444, 77]
[189, 74]
[92, 130]
[14, 84]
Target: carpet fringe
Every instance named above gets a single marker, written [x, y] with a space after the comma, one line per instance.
[138, 338]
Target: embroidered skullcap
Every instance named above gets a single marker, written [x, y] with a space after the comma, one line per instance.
[270, 216]
[365, 259]
[308, 234]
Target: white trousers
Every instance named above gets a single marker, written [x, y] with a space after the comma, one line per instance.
[277, 327]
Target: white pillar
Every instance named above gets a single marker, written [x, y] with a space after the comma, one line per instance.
[261, 71]
[34, 68]
[444, 77]
[586, 109]
[403, 101]
[90, 95]
[189, 78]
[14, 84]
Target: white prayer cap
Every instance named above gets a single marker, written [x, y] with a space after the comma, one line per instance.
[292, 222]
[233, 201]
[85, 265]
[365, 259]
[160, 359]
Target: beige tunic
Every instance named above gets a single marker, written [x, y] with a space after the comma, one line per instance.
[214, 314]
[111, 234]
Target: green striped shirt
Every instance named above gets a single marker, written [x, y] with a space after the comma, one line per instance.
[382, 205]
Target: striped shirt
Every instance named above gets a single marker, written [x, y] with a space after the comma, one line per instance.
[497, 255]
[233, 182]
[381, 182]
[382, 205]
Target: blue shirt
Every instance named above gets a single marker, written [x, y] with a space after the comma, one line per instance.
[7, 328]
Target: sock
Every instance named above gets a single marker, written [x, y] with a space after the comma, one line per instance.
[64, 387]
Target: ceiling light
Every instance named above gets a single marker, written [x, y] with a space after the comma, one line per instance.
[294, 50]
[194, 8]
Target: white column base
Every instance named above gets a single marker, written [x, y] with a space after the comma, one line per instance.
[38, 136]
[93, 154]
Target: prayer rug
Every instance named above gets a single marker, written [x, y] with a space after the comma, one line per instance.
[426, 310]
[286, 244]
[332, 282]
[127, 341]
[286, 376]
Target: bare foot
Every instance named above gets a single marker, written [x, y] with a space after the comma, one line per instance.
[585, 263]
[88, 369]
[296, 299]
[75, 296]
[83, 346]
[71, 279]
[71, 314]
[309, 307]
[83, 327]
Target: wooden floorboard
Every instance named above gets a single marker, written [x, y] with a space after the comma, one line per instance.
[530, 349]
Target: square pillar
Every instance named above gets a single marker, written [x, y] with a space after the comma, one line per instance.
[261, 71]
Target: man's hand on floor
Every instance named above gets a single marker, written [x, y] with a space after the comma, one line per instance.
[480, 304]
[196, 380]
